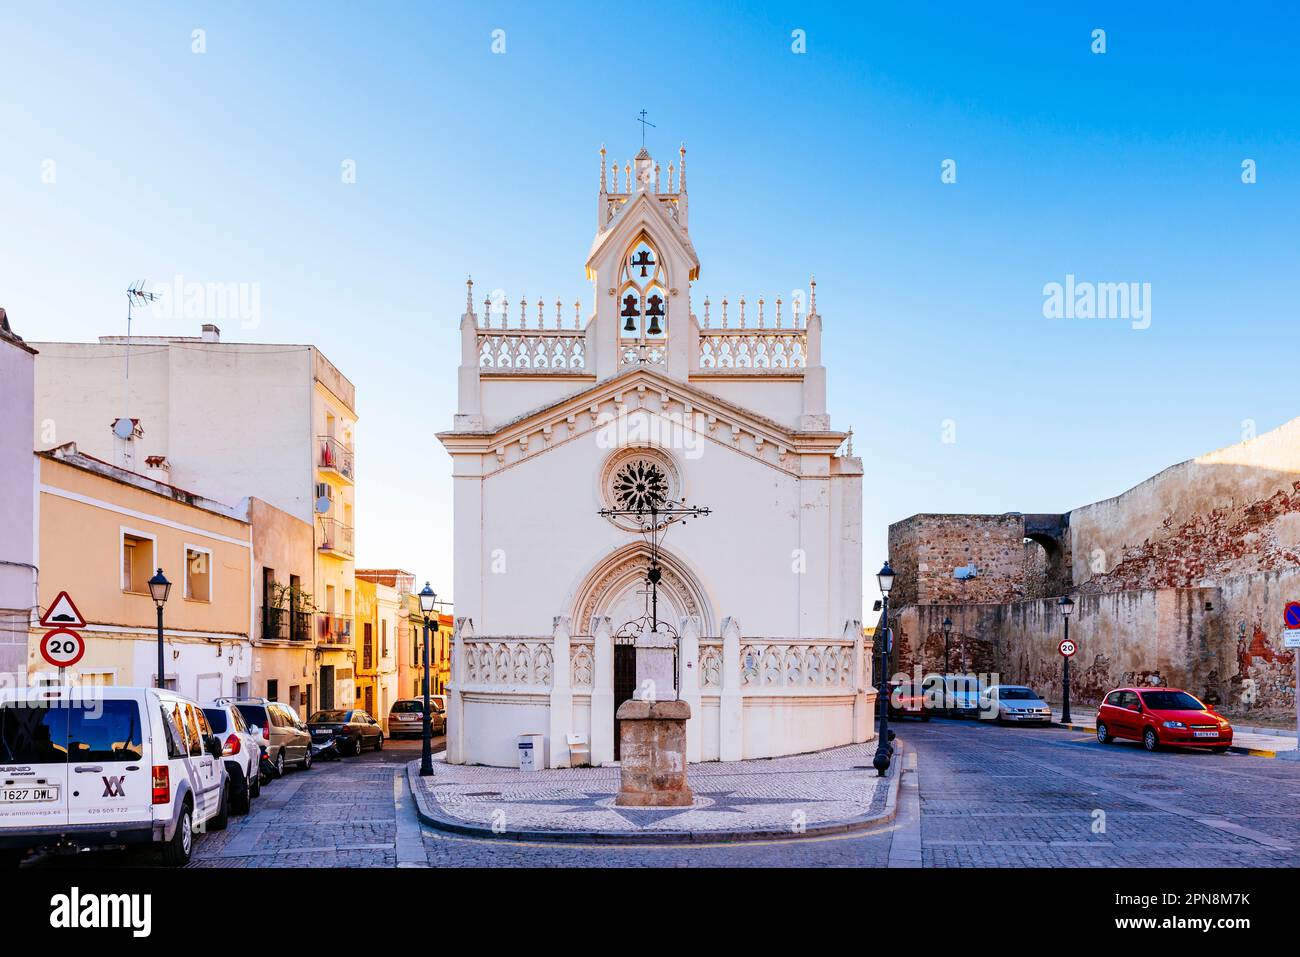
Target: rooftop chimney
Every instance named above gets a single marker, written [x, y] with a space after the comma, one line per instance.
[211, 333]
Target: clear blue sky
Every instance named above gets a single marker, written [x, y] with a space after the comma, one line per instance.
[1126, 166]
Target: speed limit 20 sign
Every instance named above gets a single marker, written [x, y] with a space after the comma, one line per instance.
[62, 647]
[1067, 647]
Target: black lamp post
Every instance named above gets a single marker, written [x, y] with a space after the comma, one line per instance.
[947, 634]
[427, 600]
[884, 750]
[159, 588]
[1066, 604]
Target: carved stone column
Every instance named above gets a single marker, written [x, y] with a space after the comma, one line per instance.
[602, 695]
[688, 684]
[731, 712]
[455, 703]
[862, 715]
[561, 693]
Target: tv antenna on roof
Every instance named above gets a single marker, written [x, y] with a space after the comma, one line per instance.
[136, 295]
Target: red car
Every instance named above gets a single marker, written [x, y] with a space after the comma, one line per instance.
[1162, 716]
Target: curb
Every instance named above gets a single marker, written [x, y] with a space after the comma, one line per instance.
[1234, 748]
[429, 815]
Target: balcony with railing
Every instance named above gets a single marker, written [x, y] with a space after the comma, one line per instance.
[334, 629]
[336, 457]
[279, 624]
[335, 538]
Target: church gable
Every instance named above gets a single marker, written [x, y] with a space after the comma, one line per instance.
[643, 407]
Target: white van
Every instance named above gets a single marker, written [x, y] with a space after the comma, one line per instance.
[96, 766]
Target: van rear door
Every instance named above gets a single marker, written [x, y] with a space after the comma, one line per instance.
[108, 764]
[33, 760]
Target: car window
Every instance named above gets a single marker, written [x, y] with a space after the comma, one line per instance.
[192, 737]
[252, 714]
[1016, 694]
[237, 720]
[172, 732]
[406, 707]
[33, 733]
[328, 717]
[216, 719]
[1171, 701]
[105, 731]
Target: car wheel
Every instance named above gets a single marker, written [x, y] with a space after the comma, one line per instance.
[307, 759]
[1219, 750]
[379, 744]
[176, 852]
[242, 802]
[1150, 740]
[279, 764]
[1103, 733]
[357, 745]
[221, 819]
[255, 789]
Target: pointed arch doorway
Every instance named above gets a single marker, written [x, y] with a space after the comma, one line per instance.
[617, 589]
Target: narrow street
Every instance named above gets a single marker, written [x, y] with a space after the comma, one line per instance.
[988, 796]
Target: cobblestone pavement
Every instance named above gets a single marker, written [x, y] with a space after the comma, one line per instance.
[776, 795]
[989, 796]
[994, 797]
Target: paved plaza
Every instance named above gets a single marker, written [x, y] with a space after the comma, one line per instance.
[836, 790]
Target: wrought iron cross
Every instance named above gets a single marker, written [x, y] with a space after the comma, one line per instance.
[644, 123]
[654, 519]
[643, 260]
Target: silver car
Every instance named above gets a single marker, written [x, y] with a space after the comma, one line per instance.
[406, 717]
[279, 730]
[1014, 703]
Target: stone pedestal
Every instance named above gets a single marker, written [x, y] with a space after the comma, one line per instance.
[652, 748]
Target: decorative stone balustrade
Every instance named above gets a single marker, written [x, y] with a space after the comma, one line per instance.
[509, 662]
[796, 664]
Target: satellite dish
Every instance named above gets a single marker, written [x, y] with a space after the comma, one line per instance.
[322, 505]
[123, 428]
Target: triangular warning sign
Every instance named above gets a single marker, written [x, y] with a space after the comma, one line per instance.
[63, 614]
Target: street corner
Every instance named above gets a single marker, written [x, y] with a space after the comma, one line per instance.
[836, 791]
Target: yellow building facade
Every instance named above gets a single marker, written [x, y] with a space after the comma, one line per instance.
[103, 531]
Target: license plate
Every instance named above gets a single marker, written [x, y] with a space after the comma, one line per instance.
[1205, 734]
[28, 795]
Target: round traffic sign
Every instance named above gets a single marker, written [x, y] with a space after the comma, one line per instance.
[1067, 647]
[1291, 615]
[62, 647]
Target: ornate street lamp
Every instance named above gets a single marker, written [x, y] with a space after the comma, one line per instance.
[159, 589]
[884, 750]
[947, 634]
[1066, 604]
[427, 601]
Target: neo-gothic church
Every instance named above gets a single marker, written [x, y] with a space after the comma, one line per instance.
[665, 461]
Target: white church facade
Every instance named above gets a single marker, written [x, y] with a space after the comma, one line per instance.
[652, 401]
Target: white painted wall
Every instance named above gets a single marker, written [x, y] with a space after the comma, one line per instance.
[18, 482]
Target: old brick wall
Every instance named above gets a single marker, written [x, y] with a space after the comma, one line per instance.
[1222, 644]
[925, 550]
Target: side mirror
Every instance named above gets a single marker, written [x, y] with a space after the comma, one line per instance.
[214, 746]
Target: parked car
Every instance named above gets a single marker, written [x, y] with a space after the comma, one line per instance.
[242, 753]
[278, 729]
[906, 700]
[1162, 716]
[107, 767]
[354, 730]
[1014, 703]
[406, 717]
